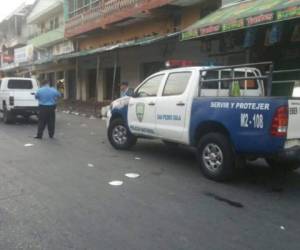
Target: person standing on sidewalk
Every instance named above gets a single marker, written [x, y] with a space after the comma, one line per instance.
[47, 97]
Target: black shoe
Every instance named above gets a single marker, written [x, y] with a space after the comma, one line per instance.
[38, 137]
[51, 136]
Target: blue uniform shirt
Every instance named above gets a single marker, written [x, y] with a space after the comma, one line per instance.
[47, 96]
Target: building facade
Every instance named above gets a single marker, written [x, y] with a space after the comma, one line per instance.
[13, 30]
[128, 40]
[46, 35]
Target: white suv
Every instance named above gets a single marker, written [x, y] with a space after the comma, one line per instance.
[17, 97]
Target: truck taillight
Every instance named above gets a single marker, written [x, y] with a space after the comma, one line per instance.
[280, 122]
[11, 101]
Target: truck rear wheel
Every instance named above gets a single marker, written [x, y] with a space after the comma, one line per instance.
[8, 117]
[216, 157]
[119, 135]
[278, 163]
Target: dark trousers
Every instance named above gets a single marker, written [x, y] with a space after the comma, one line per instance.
[46, 118]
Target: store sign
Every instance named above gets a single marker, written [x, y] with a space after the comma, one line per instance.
[269, 17]
[63, 48]
[244, 18]
[210, 29]
[237, 24]
[24, 54]
[288, 13]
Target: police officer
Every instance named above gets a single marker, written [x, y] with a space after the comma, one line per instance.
[125, 90]
[47, 97]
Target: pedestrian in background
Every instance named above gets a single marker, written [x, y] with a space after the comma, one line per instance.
[125, 90]
[47, 97]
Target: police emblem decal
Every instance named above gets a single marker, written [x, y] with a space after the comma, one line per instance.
[140, 110]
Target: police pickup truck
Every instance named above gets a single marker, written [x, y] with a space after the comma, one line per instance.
[223, 112]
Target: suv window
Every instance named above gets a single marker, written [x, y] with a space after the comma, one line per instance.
[19, 84]
[150, 87]
[177, 83]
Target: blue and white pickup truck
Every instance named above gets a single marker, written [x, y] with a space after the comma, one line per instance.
[223, 112]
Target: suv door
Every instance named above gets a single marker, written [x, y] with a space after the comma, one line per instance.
[142, 107]
[172, 106]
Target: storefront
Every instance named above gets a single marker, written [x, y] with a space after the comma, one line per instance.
[254, 31]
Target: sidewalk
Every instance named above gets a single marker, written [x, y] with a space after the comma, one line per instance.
[88, 109]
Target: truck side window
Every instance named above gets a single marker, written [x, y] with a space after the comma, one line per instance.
[150, 87]
[211, 75]
[177, 83]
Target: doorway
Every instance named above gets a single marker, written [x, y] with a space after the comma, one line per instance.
[71, 83]
[92, 83]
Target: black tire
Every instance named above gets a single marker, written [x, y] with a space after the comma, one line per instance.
[128, 140]
[283, 164]
[8, 117]
[221, 165]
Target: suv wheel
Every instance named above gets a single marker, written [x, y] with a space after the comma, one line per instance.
[216, 157]
[119, 135]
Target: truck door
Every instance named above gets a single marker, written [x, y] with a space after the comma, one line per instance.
[172, 106]
[142, 107]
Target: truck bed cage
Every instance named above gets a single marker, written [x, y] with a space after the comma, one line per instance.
[233, 68]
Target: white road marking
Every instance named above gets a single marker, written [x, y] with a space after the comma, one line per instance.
[282, 228]
[132, 175]
[28, 145]
[116, 183]
[138, 158]
[90, 165]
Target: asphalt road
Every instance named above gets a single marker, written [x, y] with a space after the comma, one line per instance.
[56, 195]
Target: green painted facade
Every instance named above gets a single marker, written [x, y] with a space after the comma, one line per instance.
[244, 15]
[48, 38]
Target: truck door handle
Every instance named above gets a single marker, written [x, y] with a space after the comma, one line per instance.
[180, 104]
[151, 104]
[32, 93]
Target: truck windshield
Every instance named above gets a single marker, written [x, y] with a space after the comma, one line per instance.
[19, 84]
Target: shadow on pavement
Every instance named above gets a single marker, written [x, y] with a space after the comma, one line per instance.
[255, 174]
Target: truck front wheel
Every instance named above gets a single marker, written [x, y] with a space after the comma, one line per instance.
[216, 157]
[119, 135]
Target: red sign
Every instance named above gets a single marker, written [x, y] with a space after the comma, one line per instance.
[210, 29]
[7, 58]
[260, 19]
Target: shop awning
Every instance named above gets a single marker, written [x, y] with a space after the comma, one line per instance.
[243, 15]
[140, 42]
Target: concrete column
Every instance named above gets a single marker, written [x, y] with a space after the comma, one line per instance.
[100, 81]
[84, 84]
[77, 79]
[66, 87]
[100, 86]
